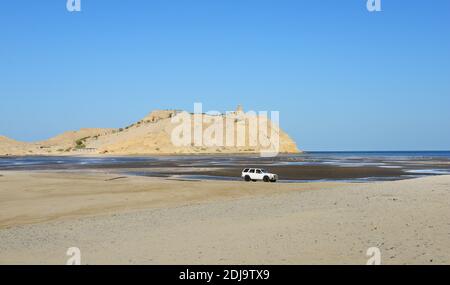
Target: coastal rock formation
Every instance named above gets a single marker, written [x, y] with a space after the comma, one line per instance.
[60, 144]
[67, 139]
[159, 115]
[154, 134]
[10, 146]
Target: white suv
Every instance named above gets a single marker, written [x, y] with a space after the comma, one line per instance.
[254, 174]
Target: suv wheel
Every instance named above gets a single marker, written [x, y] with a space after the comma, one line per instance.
[266, 179]
[247, 178]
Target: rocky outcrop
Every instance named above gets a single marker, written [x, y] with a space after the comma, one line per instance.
[159, 115]
[155, 133]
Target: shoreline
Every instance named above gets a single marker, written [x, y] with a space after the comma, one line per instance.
[156, 154]
[196, 154]
[290, 168]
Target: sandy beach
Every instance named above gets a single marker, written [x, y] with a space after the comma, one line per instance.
[121, 219]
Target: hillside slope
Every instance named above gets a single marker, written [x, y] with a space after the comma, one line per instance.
[154, 135]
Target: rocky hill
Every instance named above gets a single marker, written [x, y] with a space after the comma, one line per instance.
[154, 134]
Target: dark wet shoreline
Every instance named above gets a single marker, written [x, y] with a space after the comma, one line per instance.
[285, 172]
[303, 167]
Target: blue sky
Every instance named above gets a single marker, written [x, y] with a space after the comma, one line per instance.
[341, 77]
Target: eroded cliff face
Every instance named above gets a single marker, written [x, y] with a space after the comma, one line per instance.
[161, 132]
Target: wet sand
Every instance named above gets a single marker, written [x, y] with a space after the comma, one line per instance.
[140, 220]
[292, 172]
[289, 168]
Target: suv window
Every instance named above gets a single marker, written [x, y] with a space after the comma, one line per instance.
[258, 171]
[246, 170]
[252, 171]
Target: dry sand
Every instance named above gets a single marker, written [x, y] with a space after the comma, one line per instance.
[139, 220]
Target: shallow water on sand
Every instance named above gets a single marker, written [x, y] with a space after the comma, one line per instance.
[310, 166]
